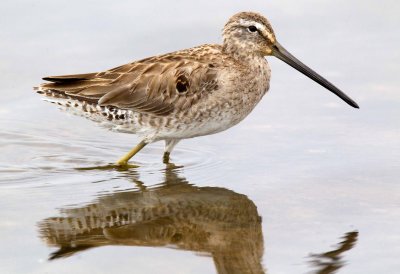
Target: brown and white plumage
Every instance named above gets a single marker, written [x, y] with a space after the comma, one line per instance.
[161, 90]
[159, 85]
[184, 94]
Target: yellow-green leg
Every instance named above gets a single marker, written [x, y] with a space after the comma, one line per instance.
[169, 146]
[166, 157]
[124, 160]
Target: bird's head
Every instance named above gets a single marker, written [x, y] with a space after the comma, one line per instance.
[247, 35]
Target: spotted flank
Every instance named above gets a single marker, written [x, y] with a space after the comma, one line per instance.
[108, 116]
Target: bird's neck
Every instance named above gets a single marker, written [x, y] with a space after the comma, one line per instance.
[240, 54]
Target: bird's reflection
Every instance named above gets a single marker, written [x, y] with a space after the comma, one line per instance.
[209, 220]
[330, 262]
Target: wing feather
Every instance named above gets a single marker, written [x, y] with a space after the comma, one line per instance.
[147, 86]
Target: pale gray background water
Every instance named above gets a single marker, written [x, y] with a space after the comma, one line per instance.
[314, 167]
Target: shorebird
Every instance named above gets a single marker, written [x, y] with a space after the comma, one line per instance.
[183, 94]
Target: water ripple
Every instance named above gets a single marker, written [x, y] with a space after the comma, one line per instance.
[31, 158]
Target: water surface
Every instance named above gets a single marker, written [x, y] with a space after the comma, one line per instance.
[305, 184]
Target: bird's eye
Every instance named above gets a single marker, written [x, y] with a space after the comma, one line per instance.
[252, 28]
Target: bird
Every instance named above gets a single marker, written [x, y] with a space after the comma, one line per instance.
[184, 94]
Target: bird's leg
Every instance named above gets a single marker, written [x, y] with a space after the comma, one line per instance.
[166, 157]
[169, 146]
[124, 160]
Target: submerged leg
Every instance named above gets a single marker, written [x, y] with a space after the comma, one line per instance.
[166, 157]
[124, 160]
[169, 146]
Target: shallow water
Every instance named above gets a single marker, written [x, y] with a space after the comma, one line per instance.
[305, 184]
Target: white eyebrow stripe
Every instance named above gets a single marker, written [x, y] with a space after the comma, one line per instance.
[260, 27]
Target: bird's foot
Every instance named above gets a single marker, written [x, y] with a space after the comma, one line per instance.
[109, 167]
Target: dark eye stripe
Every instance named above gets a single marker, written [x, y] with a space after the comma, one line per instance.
[252, 28]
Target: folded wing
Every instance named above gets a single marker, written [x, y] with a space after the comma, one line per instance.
[157, 86]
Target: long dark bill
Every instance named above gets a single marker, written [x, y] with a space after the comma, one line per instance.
[281, 53]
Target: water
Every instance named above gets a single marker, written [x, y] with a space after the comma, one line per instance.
[305, 184]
